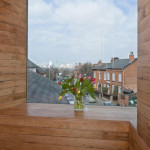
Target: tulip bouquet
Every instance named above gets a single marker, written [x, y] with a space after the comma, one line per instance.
[79, 87]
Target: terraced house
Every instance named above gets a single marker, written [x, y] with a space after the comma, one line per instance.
[120, 72]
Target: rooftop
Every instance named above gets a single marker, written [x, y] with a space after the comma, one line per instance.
[118, 64]
[33, 65]
[42, 90]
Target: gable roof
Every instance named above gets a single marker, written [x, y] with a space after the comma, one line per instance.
[42, 90]
[33, 65]
[118, 64]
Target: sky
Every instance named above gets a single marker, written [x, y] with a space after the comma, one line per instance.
[73, 31]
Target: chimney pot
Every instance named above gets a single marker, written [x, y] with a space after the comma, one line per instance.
[131, 56]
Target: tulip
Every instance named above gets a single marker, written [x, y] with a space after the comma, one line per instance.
[89, 78]
[84, 77]
[81, 79]
[59, 83]
[74, 89]
[78, 92]
[73, 76]
[80, 76]
[93, 79]
[60, 97]
[93, 82]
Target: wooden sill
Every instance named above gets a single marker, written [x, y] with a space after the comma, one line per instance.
[66, 111]
[58, 127]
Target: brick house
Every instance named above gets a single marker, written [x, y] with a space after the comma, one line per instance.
[76, 70]
[120, 72]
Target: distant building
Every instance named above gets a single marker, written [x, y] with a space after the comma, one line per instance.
[76, 70]
[35, 68]
[120, 72]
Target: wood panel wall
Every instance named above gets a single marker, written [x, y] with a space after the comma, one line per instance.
[135, 141]
[13, 52]
[143, 123]
[29, 133]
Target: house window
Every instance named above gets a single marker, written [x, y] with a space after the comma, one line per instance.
[104, 85]
[105, 76]
[108, 86]
[108, 76]
[113, 77]
[94, 74]
[119, 89]
[113, 86]
[101, 87]
[120, 77]
[99, 75]
[32, 69]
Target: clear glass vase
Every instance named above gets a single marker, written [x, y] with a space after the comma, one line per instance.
[78, 104]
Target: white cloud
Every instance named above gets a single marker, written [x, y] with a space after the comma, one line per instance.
[87, 30]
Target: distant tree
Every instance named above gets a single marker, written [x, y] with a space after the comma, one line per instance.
[104, 90]
[66, 72]
[52, 73]
[115, 92]
[86, 69]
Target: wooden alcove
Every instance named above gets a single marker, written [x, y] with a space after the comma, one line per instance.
[57, 127]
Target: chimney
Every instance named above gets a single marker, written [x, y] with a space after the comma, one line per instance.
[114, 59]
[131, 56]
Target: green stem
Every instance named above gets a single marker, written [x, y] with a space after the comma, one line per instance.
[78, 104]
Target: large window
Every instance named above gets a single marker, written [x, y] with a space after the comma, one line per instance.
[119, 89]
[113, 77]
[72, 38]
[113, 86]
[120, 77]
[108, 76]
[94, 74]
[99, 75]
[105, 75]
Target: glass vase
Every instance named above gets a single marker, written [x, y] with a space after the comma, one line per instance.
[78, 104]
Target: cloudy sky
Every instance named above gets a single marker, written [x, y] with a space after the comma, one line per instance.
[72, 31]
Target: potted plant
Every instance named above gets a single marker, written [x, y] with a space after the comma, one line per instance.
[79, 87]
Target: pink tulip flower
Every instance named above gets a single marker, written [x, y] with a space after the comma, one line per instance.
[93, 82]
[80, 76]
[89, 78]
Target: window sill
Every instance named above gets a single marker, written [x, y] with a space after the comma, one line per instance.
[51, 123]
[67, 111]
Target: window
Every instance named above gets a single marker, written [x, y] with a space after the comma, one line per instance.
[32, 69]
[94, 74]
[113, 77]
[119, 89]
[102, 62]
[120, 77]
[105, 76]
[108, 76]
[101, 87]
[99, 75]
[113, 88]
[108, 86]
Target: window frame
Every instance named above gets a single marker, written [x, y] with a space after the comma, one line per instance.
[120, 78]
